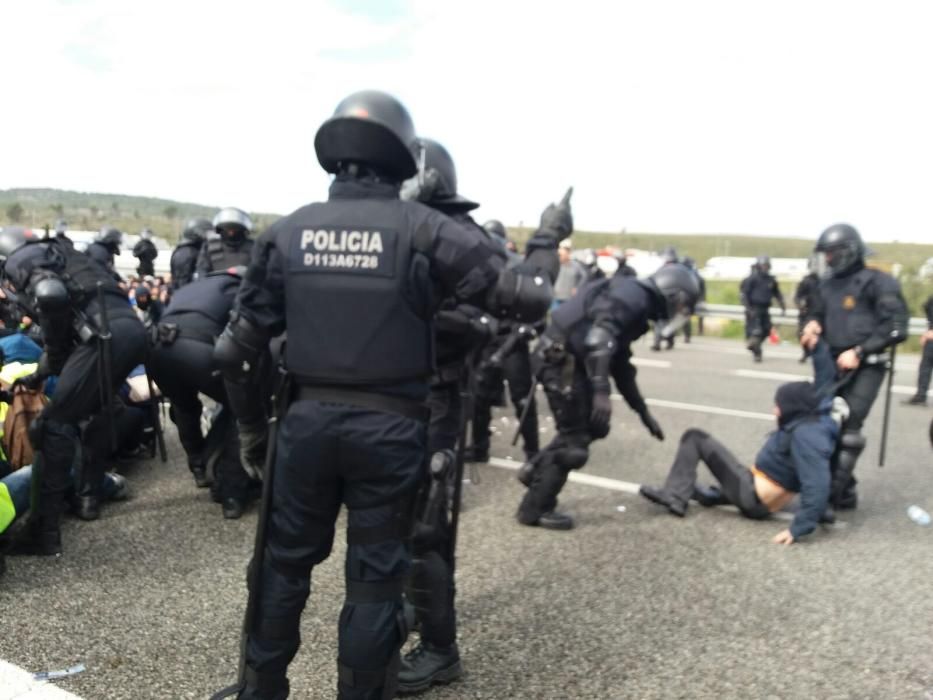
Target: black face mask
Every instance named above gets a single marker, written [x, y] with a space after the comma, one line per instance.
[143, 302]
[796, 400]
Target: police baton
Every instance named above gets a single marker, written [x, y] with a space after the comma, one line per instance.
[887, 408]
[104, 359]
[525, 409]
[254, 570]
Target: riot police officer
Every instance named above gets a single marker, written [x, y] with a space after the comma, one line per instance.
[352, 280]
[668, 256]
[105, 247]
[146, 252]
[183, 263]
[61, 231]
[229, 245]
[461, 330]
[181, 363]
[587, 341]
[861, 313]
[926, 359]
[75, 301]
[756, 292]
[805, 298]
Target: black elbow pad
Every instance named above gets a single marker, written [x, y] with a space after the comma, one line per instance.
[521, 297]
[600, 345]
[51, 295]
[238, 348]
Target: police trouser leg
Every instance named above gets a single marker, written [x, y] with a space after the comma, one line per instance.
[925, 370]
[371, 461]
[736, 480]
[517, 370]
[564, 454]
[482, 417]
[234, 481]
[860, 393]
[431, 591]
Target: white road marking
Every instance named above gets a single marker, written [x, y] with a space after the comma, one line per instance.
[17, 684]
[699, 408]
[786, 377]
[625, 486]
[576, 477]
[646, 362]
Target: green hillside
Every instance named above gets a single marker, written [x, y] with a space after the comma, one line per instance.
[91, 210]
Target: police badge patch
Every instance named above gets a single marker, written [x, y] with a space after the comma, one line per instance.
[345, 251]
[848, 302]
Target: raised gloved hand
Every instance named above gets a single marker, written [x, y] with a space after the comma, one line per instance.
[253, 442]
[557, 219]
[601, 413]
[652, 425]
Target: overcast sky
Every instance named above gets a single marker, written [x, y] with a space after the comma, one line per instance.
[669, 116]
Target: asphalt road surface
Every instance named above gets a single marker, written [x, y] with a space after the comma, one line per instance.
[633, 603]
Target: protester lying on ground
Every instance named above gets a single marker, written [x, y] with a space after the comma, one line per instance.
[794, 460]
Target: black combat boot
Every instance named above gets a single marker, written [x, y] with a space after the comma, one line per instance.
[263, 686]
[233, 507]
[916, 400]
[662, 498]
[199, 472]
[42, 537]
[552, 520]
[426, 665]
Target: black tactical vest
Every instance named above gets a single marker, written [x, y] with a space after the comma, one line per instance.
[760, 289]
[357, 293]
[223, 255]
[849, 315]
[211, 297]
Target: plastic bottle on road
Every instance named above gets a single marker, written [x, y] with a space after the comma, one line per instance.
[918, 515]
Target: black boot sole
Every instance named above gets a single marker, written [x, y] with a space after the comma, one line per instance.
[440, 677]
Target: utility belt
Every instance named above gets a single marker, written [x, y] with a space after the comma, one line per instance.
[384, 403]
[448, 373]
[551, 356]
[87, 326]
[166, 333]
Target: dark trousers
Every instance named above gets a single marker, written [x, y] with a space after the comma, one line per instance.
[570, 447]
[78, 400]
[181, 370]
[757, 323]
[330, 454]
[860, 393]
[431, 588]
[736, 480]
[516, 371]
[926, 369]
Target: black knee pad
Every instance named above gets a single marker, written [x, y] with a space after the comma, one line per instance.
[853, 441]
[571, 457]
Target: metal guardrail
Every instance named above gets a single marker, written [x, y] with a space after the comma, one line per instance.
[918, 326]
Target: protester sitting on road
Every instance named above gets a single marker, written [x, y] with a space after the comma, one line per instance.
[794, 460]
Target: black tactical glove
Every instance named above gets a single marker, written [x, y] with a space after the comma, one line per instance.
[601, 413]
[649, 422]
[253, 440]
[557, 219]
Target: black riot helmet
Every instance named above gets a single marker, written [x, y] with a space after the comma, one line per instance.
[197, 229]
[233, 224]
[110, 237]
[763, 263]
[146, 233]
[669, 255]
[61, 227]
[372, 129]
[842, 248]
[679, 289]
[496, 228]
[436, 181]
[13, 238]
